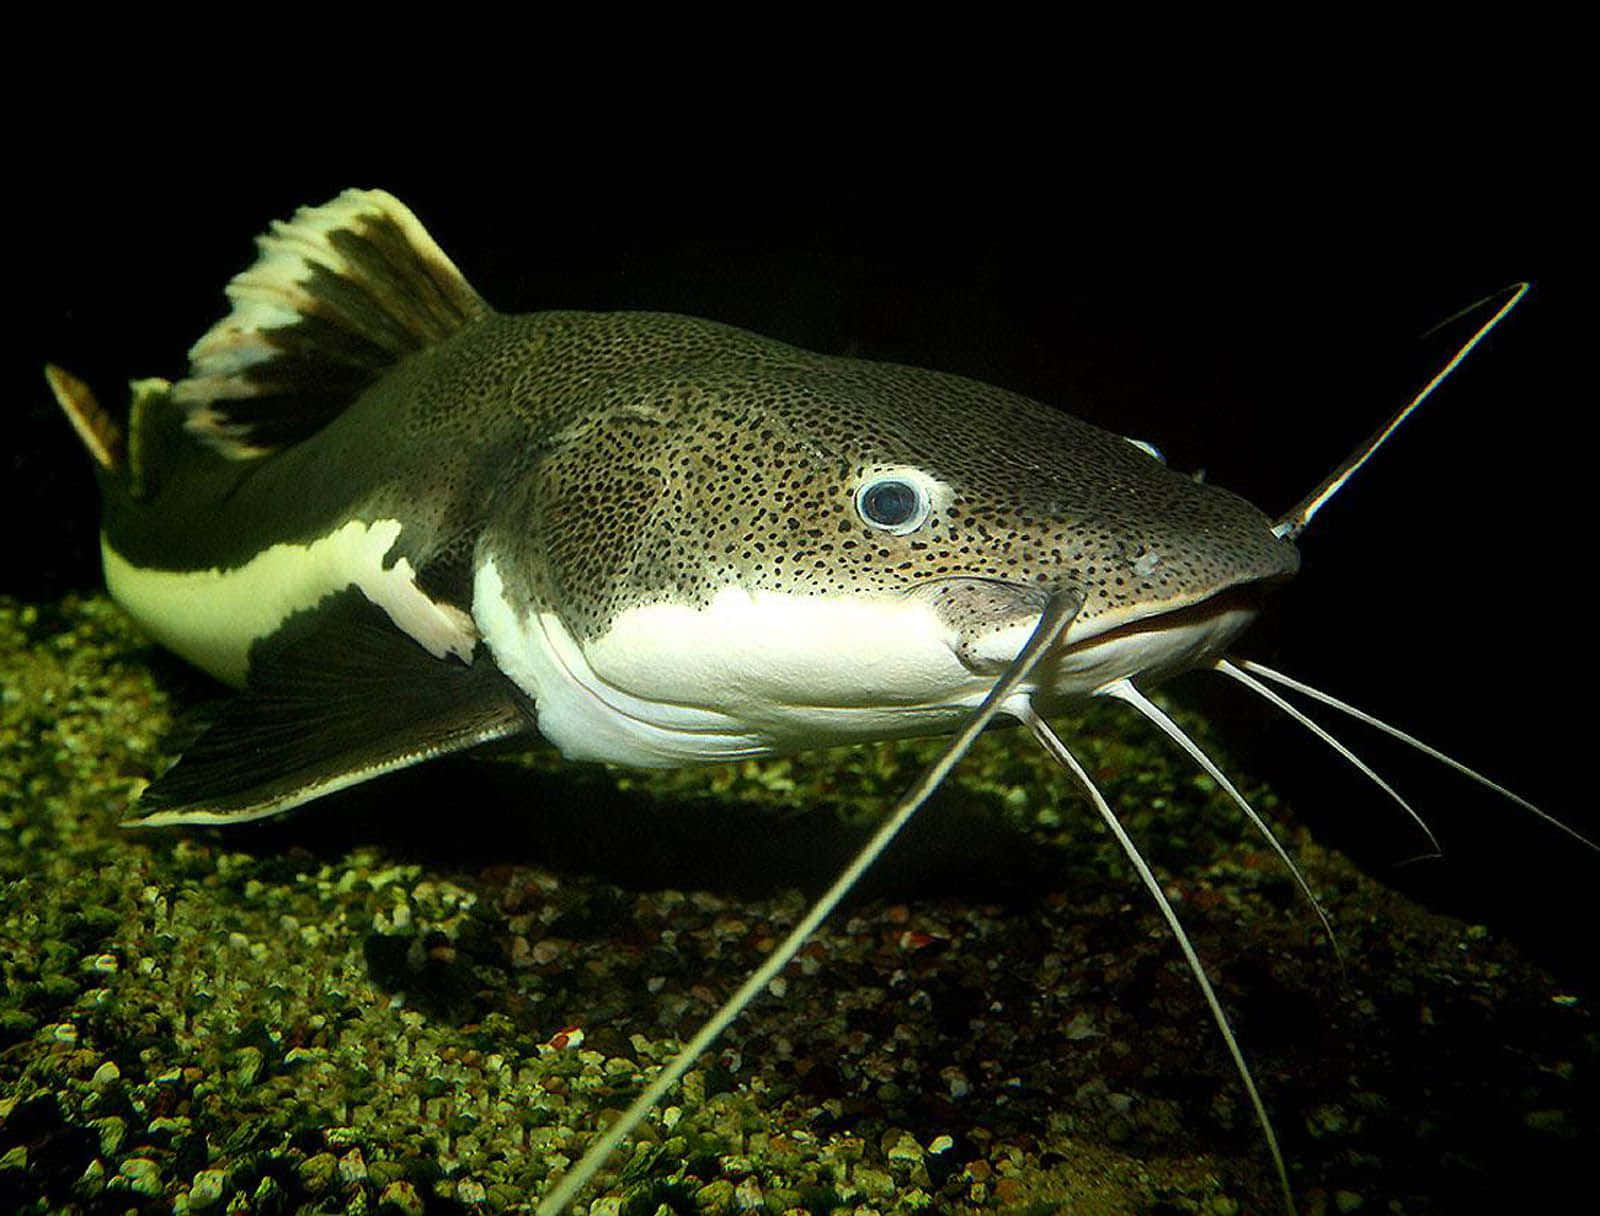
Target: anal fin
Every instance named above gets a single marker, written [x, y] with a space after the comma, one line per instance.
[338, 697]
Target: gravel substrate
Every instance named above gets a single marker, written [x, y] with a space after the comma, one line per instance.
[425, 995]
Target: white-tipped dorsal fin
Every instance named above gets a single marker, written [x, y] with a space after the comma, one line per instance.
[338, 294]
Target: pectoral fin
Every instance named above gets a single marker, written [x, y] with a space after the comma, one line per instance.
[333, 700]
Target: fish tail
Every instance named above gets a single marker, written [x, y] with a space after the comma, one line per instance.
[99, 431]
[131, 460]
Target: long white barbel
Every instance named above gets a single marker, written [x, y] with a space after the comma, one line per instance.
[1361, 715]
[1293, 521]
[1124, 691]
[1229, 669]
[1053, 744]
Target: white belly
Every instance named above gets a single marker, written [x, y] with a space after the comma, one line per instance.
[755, 674]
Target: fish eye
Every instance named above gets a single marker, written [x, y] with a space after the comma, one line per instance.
[892, 504]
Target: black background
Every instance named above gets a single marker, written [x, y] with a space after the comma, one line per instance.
[1251, 305]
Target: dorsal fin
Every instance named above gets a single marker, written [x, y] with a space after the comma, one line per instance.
[339, 294]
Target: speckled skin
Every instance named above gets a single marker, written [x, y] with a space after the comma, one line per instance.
[671, 457]
[635, 458]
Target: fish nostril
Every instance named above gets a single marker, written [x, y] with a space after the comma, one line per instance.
[1145, 565]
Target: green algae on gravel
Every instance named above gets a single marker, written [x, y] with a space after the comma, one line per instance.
[389, 1003]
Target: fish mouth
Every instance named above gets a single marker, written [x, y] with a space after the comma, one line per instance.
[1149, 647]
[990, 621]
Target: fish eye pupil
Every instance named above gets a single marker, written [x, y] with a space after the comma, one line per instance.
[890, 503]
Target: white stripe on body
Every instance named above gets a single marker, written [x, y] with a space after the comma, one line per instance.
[212, 617]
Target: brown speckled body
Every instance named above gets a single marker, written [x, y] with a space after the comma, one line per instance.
[634, 458]
[682, 456]
[637, 458]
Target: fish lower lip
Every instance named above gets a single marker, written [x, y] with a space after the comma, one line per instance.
[1150, 648]
[1159, 643]
[1244, 599]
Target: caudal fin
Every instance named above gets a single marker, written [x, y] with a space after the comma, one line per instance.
[339, 294]
[98, 430]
